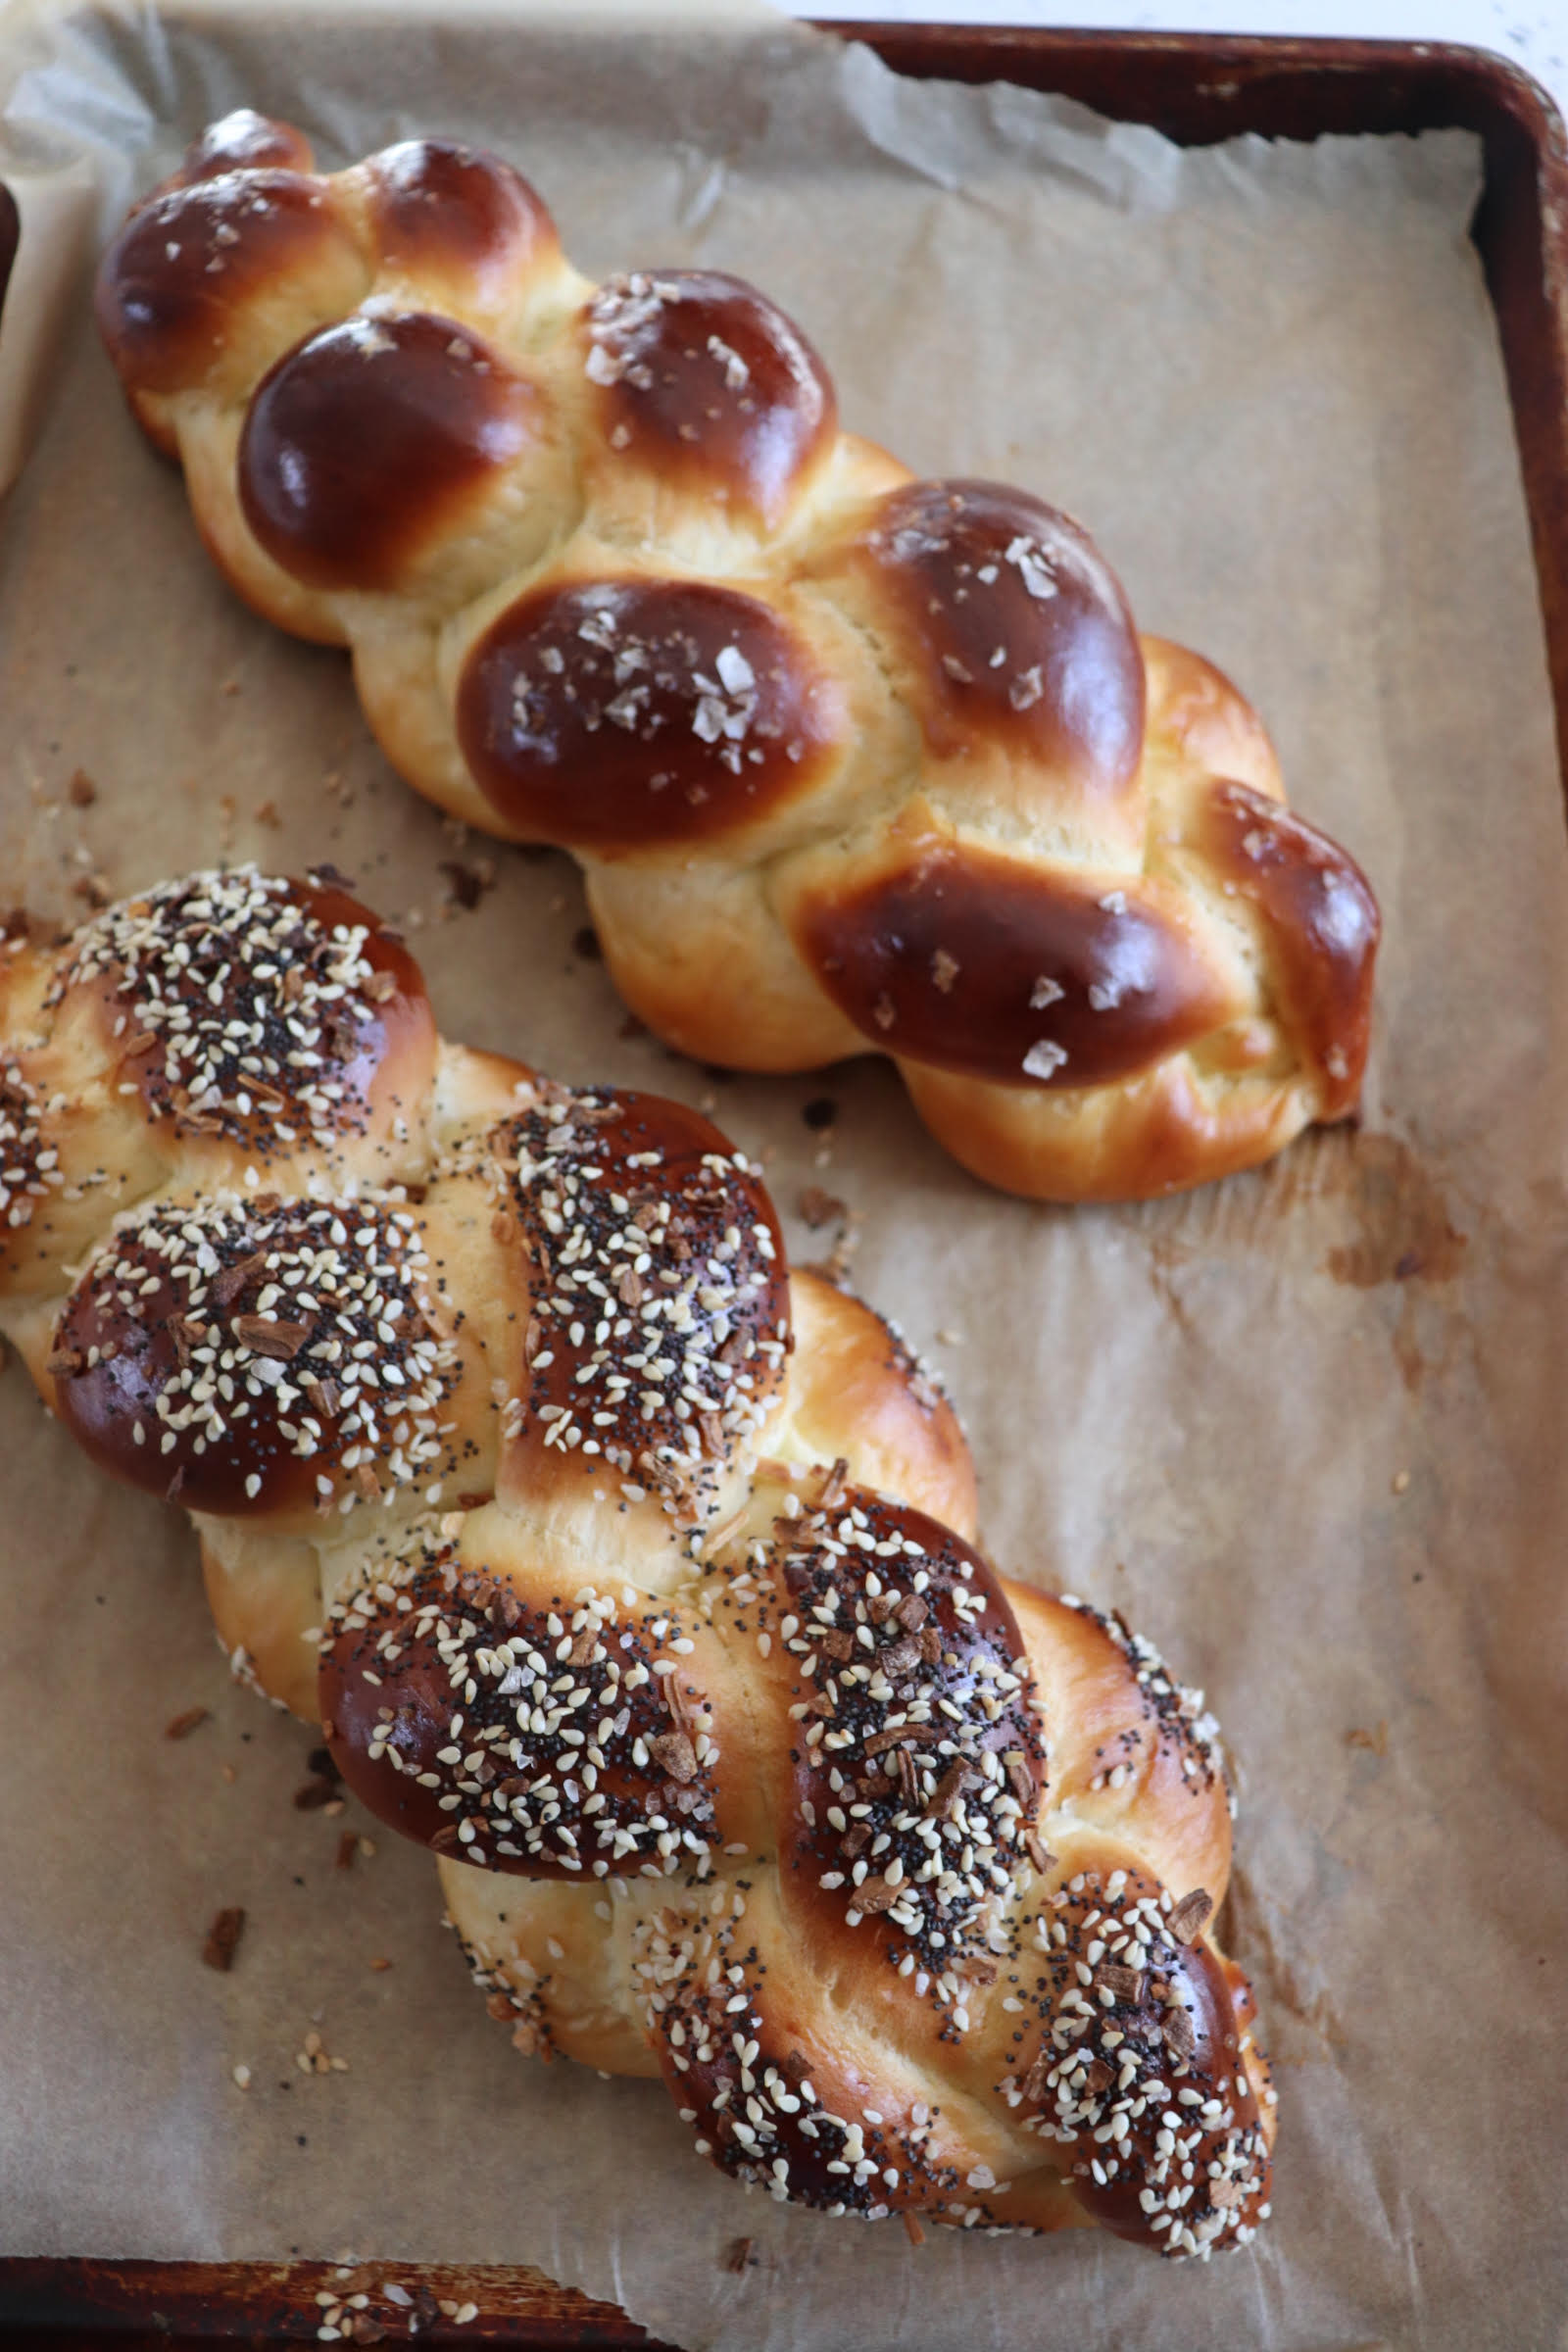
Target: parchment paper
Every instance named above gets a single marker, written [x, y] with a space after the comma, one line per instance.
[1305, 1426]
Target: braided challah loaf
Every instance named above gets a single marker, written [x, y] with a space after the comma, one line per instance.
[600, 1544]
[851, 760]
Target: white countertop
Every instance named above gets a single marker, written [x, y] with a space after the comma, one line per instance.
[1532, 33]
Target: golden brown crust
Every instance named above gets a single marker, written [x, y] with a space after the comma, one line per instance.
[1014, 634]
[967, 961]
[190, 265]
[225, 1023]
[1318, 908]
[857, 1388]
[706, 385]
[242, 141]
[886, 753]
[463, 227]
[989, 1822]
[598, 1548]
[407, 397]
[264, 1592]
[641, 713]
[611, 1770]
[267, 1358]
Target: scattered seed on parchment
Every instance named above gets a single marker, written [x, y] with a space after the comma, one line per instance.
[223, 1939]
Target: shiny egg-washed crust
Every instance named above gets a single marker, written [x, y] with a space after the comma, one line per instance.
[897, 1873]
[272, 1248]
[851, 760]
[628, 1574]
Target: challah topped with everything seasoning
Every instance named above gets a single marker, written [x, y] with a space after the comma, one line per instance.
[851, 760]
[630, 1574]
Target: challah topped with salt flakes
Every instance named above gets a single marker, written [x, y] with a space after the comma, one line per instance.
[851, 760]
[630, 1574]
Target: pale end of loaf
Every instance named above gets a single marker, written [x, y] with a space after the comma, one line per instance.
[851, 760]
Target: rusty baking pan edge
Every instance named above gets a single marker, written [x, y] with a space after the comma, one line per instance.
[1196, 89]
[61, 2305]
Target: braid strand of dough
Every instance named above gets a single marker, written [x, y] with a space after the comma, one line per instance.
[851, 760]
[631, 1575]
